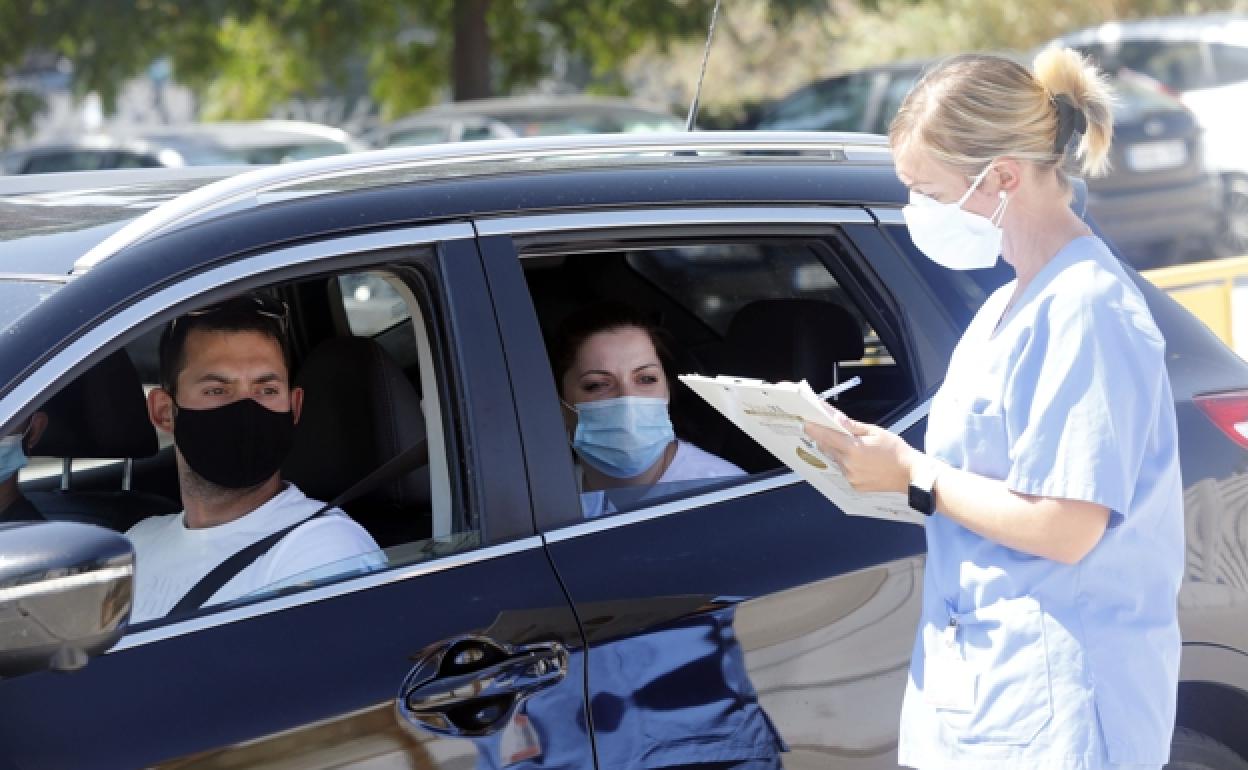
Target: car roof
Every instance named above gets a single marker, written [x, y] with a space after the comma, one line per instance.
[521, 105]
[109, 246]
[256, 133]
[49, 220]
[1214, 27]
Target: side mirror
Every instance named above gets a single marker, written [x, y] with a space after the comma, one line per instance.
[65, 594]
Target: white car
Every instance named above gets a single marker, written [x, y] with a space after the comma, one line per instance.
[1204, 61]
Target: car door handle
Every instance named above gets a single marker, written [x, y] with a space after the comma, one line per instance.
[471, 685]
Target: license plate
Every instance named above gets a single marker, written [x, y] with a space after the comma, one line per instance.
[1155, 156]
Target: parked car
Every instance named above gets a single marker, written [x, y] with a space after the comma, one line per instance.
[1158, 204]
[743, 620]
[196, 144]
[1203, 60]
[523, 116]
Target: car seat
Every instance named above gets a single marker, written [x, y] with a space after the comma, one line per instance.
[100, 415]
[359, 411]
[788, 339]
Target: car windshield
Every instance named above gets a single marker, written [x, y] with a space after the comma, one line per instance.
[18, 297]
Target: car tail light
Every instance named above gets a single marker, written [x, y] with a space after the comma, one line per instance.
[1229, 411]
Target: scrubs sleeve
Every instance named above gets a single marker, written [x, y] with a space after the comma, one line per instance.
[1082, 401]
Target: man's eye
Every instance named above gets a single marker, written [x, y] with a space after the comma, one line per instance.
[214, 392]
[593, 387]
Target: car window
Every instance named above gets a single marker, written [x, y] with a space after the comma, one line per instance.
[1230, 63]
[1180, 65]
[371, 303]
[899, 86]
[838, 104]
[417, 136]
[76, 160]
[134, 160]
[770, 308]
[366, 406]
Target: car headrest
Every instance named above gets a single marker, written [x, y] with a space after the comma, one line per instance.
[793, 339]
[101, 414]
[359, 411]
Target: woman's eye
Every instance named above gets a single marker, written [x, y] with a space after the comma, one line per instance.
[593, 387]
[648, 379]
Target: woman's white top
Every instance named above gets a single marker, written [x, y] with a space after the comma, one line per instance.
[690, 464]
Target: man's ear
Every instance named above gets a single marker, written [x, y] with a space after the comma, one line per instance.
[34, 431]
[160, 409]
[296, 403]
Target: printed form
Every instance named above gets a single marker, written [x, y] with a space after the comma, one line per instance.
[772, 414]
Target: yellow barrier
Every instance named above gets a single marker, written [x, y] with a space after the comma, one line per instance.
[1216, 292]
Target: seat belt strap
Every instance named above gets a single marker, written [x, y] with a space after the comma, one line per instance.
[408, 460]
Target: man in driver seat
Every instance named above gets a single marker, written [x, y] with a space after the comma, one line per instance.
[226, 397]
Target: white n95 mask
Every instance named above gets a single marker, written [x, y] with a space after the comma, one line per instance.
[953, 237]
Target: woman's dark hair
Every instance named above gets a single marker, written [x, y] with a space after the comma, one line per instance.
[584, 323]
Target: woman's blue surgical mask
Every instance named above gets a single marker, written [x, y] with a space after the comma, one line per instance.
[622, 437]
[950, 235]
[12, 456]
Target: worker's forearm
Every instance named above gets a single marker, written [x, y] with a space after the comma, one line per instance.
[1061, 530]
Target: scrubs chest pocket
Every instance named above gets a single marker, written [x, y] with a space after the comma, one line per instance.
[985, 447]
[1005, 645]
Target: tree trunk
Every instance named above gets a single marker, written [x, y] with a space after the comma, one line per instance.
[470, 56]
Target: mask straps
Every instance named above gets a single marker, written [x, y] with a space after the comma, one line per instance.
[998, 213]
[974, 183]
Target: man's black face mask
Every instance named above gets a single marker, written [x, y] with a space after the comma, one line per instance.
[234, 446]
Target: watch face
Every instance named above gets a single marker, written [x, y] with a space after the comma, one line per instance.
[921, 500]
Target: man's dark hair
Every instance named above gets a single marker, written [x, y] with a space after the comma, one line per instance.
[248, 313]
[604, 316]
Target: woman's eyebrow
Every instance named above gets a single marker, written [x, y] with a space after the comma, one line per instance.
[645, 366]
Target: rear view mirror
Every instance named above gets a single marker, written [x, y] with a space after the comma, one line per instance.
[65, 594]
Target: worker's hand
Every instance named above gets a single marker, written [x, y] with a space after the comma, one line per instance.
[872, 459]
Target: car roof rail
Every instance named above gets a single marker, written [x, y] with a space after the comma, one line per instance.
[235, 191]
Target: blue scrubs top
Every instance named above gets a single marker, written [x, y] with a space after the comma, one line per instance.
[1060, 666]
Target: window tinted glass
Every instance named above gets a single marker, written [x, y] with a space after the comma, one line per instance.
[417, 136]
[1180, 65]
[838, 104]
[1230, 63]
[80, 160]
[899, 85]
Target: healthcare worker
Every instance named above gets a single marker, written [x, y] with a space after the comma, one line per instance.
[1048, 636]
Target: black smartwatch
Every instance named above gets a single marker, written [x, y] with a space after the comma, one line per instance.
[922, 479]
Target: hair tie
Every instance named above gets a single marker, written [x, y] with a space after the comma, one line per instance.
[1070, 121]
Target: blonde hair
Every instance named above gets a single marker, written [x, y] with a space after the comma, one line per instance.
[974, 108]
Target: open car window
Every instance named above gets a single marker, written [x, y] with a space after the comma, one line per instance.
[369, 401]
[771, 308]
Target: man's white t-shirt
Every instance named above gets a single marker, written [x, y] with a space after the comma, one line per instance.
[690, 464]
[170, 558]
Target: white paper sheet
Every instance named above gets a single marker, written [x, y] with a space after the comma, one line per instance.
[772, 414]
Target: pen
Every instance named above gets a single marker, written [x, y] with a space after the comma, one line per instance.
[837, 390]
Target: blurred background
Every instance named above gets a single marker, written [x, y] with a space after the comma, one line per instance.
[134, 83]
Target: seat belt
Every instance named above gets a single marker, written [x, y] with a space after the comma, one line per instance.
[408, 460]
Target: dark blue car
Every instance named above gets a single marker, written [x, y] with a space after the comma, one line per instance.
[744, 622]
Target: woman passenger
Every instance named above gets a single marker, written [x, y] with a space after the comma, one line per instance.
[609, 367]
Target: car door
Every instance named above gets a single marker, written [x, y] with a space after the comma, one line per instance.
[463, 652]
[749, 622]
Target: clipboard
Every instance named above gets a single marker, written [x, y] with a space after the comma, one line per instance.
[772, 414]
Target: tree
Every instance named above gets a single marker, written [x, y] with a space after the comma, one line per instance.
[245, 56]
